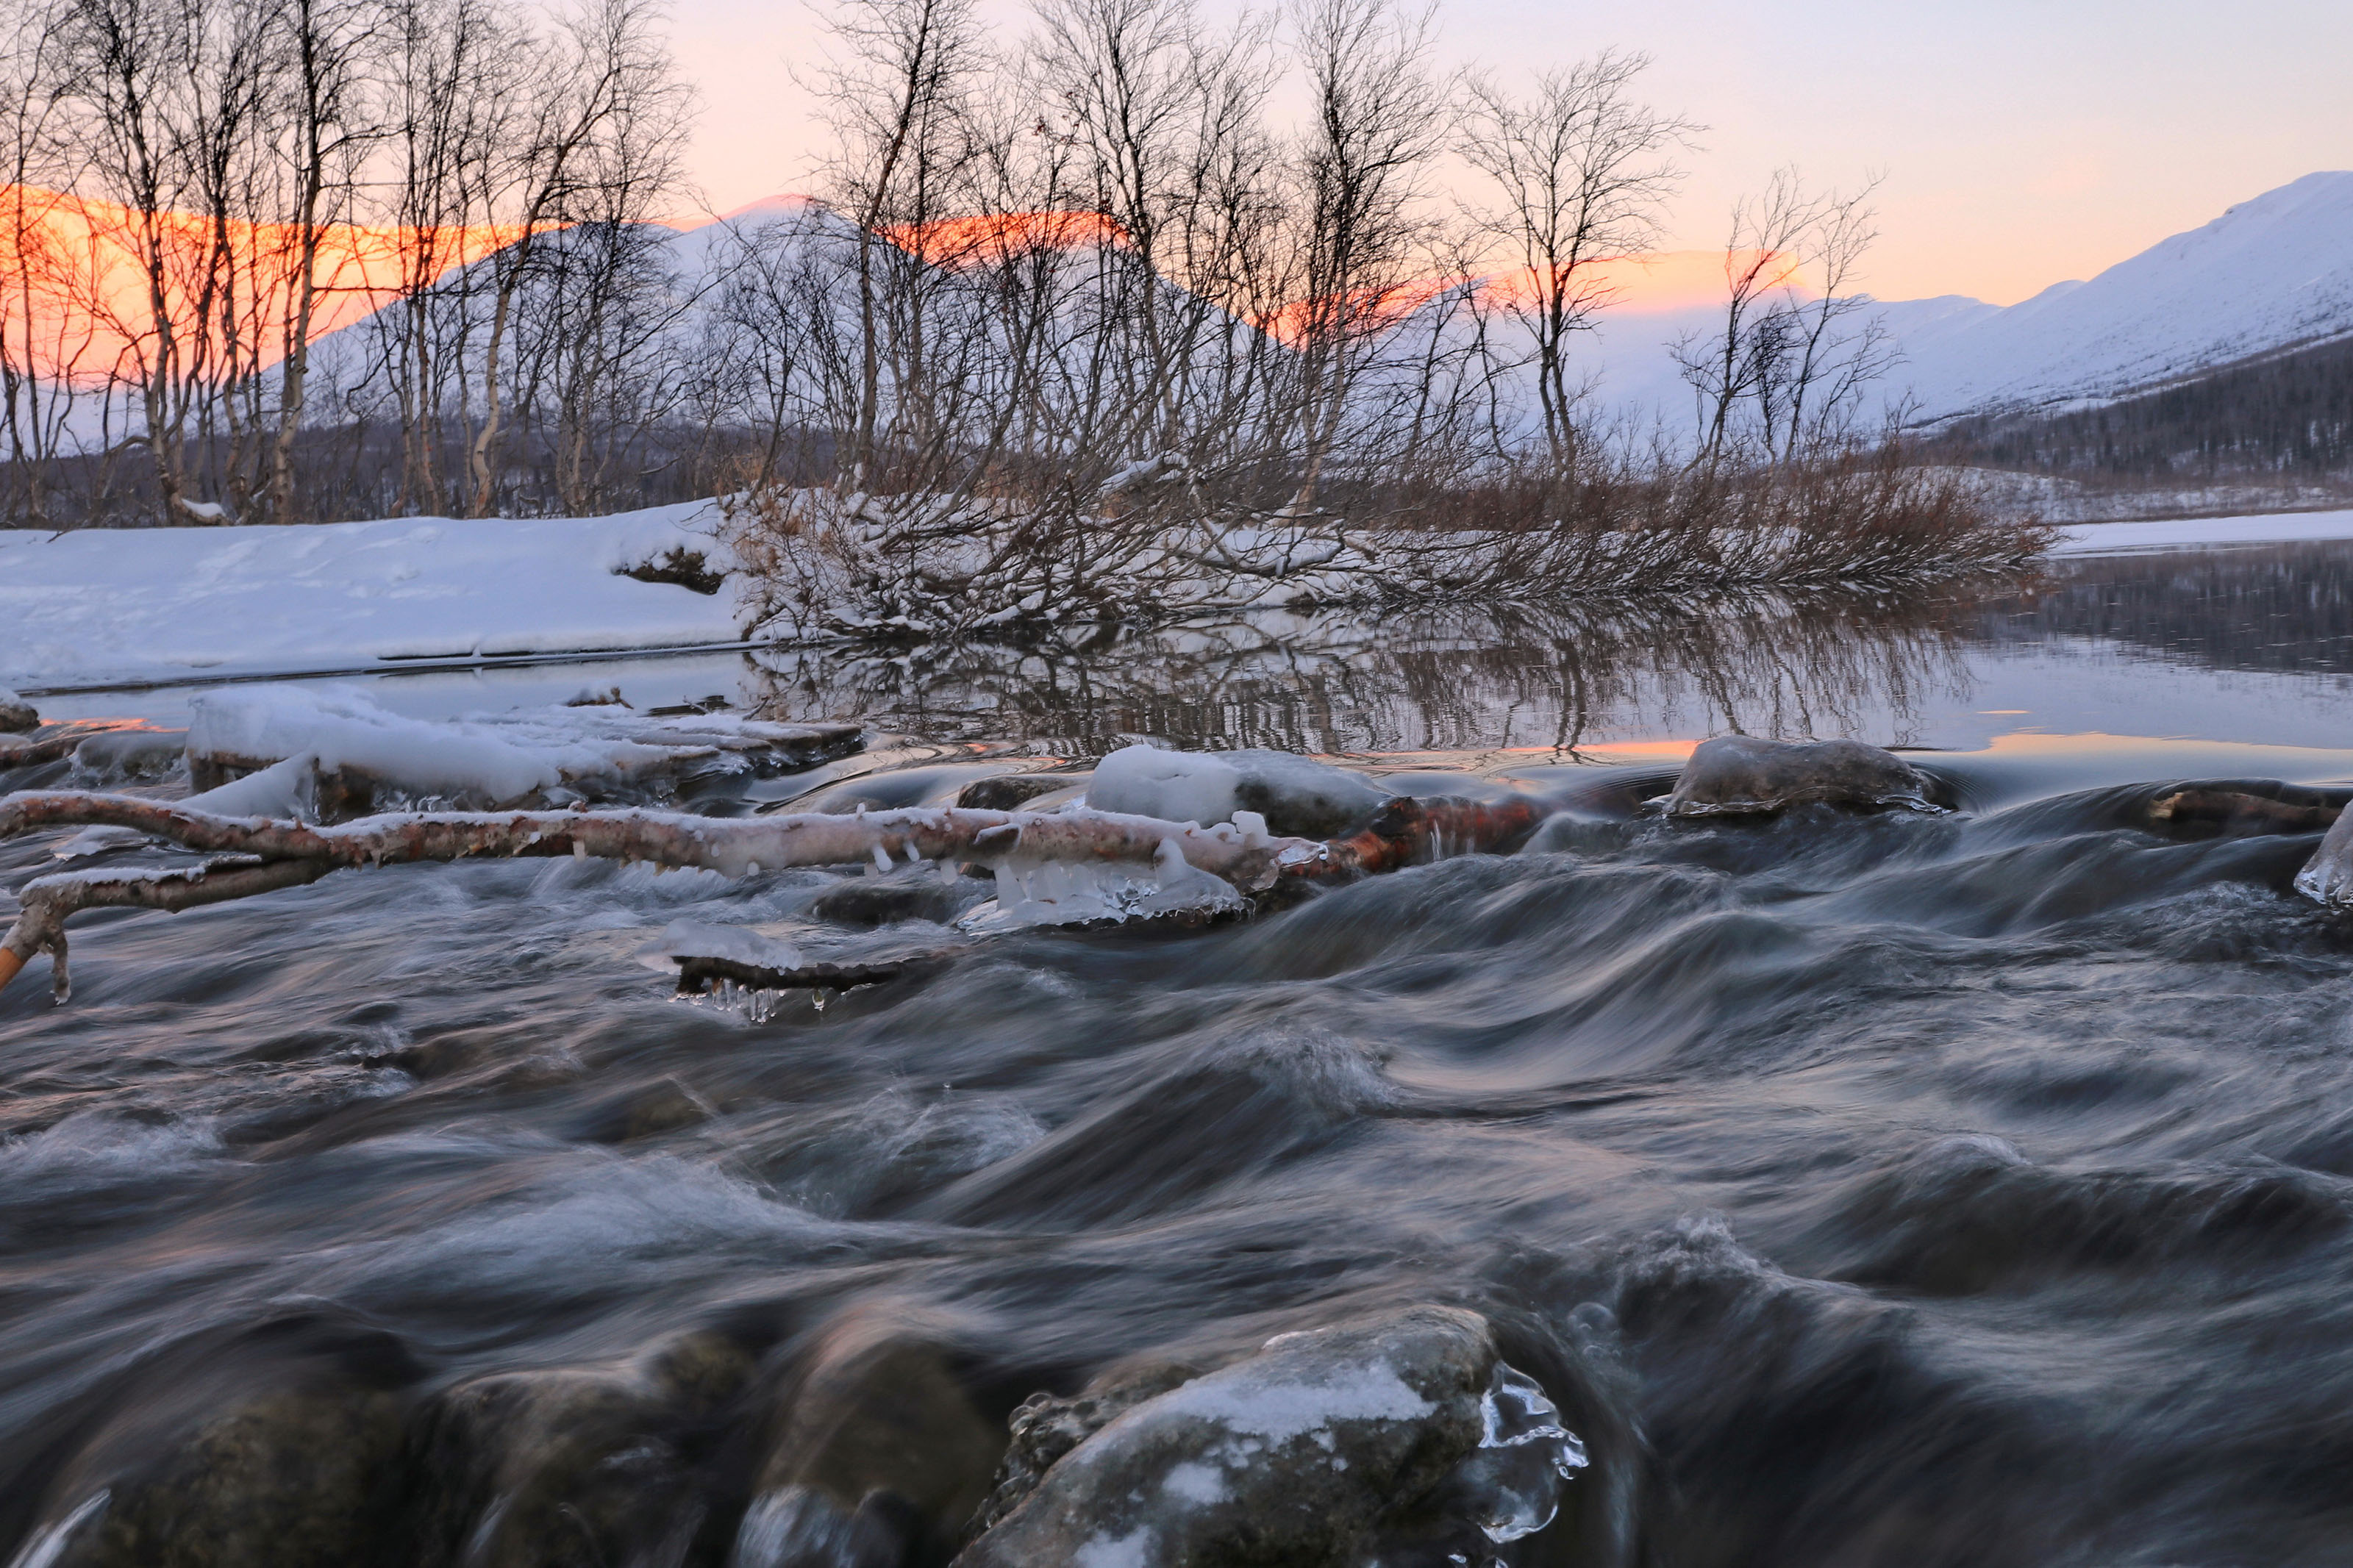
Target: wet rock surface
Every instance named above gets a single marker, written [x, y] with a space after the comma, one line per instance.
[275, 1448]
[574, 1467]
[878, 1454]
[1400, 1436]
[17, 715]
[1738, 775]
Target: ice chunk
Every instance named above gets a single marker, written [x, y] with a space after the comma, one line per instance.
[1524, 1457]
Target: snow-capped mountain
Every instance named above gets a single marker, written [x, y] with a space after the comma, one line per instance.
[2272, 273]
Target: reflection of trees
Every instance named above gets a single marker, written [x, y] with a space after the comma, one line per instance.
[2285, 607]
[1821, 664]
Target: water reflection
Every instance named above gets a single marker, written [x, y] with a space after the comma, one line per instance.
[2283, 607]
[1822, 664]
[2106, 644]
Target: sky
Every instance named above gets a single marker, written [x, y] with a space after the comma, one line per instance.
[2023, 143]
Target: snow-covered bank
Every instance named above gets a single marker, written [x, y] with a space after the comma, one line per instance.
[107, 606]
[2196, 532]
[169, 607]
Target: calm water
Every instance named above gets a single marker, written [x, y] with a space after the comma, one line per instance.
[1886, 1190]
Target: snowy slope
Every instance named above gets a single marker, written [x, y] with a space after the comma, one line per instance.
[111, 606]
[2270, 273]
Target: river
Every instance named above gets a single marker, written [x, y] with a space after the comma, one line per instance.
[1892, 1189]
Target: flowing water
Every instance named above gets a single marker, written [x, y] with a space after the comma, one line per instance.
[1892, 1189]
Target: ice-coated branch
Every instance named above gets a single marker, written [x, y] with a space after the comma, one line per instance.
[47, 902]
[734, 847]
[274, 854]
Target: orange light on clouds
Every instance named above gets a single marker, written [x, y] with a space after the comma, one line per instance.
[81, 261]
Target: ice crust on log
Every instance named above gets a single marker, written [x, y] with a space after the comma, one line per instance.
[534, 757]
[1735, 776]
[1292, 794]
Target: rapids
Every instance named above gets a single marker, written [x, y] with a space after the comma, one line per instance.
[1892, 1188]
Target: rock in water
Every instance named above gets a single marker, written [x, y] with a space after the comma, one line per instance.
[1332, 1448]
[1742, 775]
[15, 713]
[1298, 797]
[276, 1446]
[878, 1458]
[572, 1467]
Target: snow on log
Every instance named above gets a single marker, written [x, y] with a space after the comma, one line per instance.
[274, 853]
[365, 757]
[44, 902]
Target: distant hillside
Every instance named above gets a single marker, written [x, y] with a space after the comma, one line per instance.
[2270, 275]
[2288, 415]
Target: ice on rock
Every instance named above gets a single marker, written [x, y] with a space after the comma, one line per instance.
[1524, 1458]
[1297, 796]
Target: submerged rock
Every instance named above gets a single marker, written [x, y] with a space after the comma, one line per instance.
[1298, 798]
[878, 1456]
[274, 1448]
[1011, 792]
[1406, 1436]
[919, 895]
[17, 715]
[572, 1466]
[1743, 775]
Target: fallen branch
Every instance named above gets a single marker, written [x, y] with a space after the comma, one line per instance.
[47, 902]
[275, 854]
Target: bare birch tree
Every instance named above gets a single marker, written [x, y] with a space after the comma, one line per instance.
[1580, 174]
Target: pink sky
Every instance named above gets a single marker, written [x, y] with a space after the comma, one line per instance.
[2025, 142]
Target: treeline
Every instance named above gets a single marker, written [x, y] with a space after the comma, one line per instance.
[195, 188]
[2284, 417]
[1087, 269]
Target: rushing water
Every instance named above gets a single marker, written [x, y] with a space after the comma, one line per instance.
[1866, 1189]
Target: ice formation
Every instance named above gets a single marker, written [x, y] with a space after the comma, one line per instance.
[1036, 892]
[519, 758]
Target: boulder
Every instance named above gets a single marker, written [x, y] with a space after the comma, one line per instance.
[272, 1447]
[1404, 1436]
[572, 1466]
[1743, 775]
[17, 715]
[878, 1456]
[1298, 798]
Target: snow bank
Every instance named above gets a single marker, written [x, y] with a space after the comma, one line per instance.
[506, 759]
[2190, 533]
[102, 606]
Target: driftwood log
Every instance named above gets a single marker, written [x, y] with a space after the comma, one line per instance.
[260, 855]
